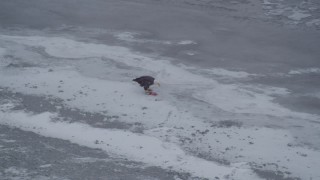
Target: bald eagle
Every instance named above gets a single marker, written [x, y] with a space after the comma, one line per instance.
[146, 82]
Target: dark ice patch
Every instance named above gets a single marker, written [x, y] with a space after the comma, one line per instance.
[42, 157]
[276, 175]
[41, 104]
[227, 124]
[20, 65]
[301, 103]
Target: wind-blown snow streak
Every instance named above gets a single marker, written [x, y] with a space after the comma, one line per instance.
[67, 48]
[2, 51]
[220, 72]
[142, 148]
[130, 37]
[304, 71]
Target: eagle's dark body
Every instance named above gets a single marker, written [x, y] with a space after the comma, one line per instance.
[145, 81]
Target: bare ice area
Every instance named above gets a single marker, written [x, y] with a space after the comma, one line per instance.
[294, 12]
[238, 96]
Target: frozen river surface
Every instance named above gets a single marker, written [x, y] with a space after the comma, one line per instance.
[239, 96]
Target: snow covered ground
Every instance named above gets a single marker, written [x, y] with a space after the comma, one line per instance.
[239, 97]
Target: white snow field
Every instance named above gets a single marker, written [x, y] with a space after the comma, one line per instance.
[161, 115]
[238, 98]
